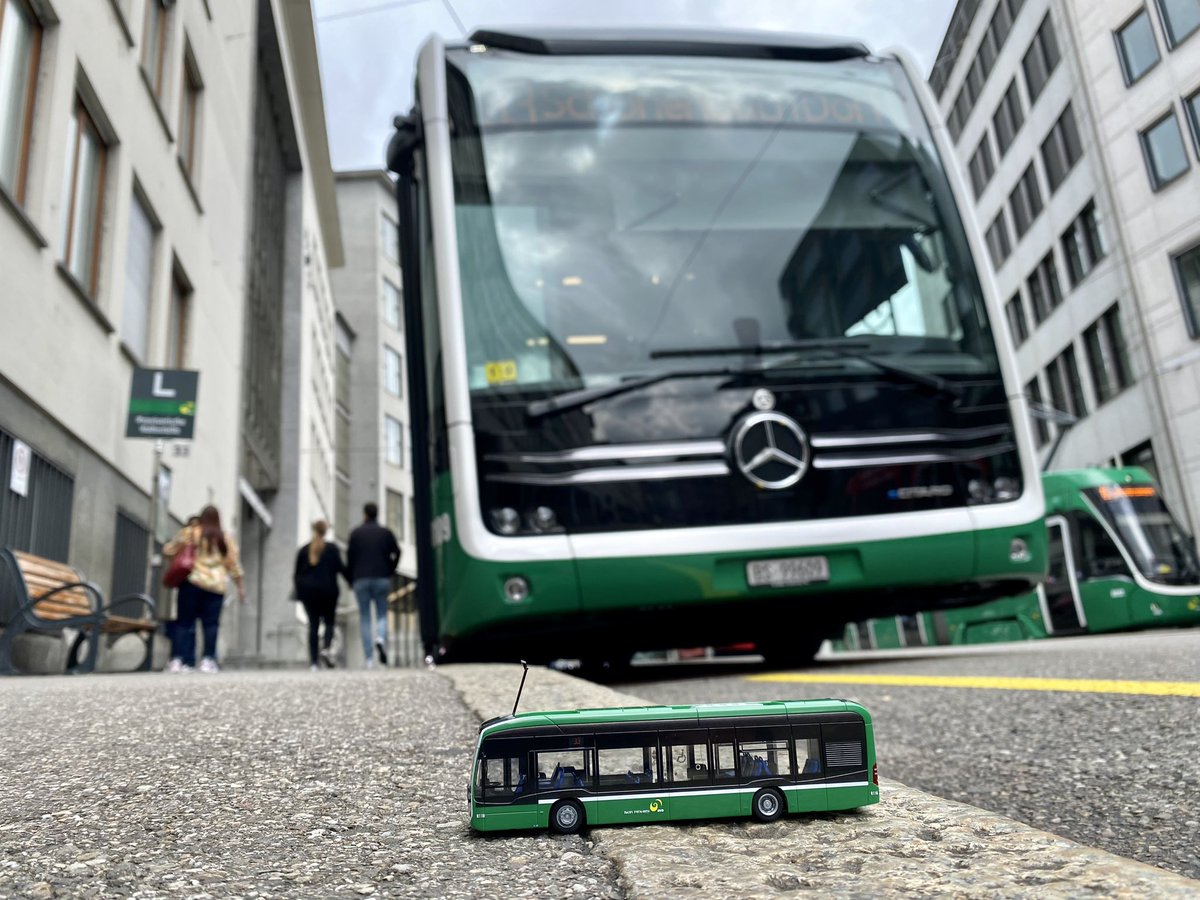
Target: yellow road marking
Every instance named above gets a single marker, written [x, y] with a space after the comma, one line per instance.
[1072, 685]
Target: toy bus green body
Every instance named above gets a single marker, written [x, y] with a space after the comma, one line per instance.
[1118, 561]
[568, 769]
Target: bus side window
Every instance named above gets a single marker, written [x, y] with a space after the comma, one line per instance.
[1098, 553]
[807, 745]
[686, 756]
[626, 760]
[763, 752]
[725, 761]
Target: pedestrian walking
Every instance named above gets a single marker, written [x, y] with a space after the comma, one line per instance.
[170, 607]
[315, 580]
[202, 594]
[372, 556]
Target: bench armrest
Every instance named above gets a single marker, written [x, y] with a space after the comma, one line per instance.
[144, 599]
[95, 614]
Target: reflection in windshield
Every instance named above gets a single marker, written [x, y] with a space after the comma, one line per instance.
[601, 216]
[1160, 549]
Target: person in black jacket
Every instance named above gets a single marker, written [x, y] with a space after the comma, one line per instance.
[372, 558]
[318, 565]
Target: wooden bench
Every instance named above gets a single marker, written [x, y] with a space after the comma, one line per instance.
[43, 596]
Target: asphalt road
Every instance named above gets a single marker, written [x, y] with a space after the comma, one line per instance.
[1115, 771]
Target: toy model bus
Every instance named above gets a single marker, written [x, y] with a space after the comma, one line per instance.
[568, 769]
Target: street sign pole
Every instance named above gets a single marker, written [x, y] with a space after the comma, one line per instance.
[155, 482]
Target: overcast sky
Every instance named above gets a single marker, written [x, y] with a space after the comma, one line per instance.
[368, 46]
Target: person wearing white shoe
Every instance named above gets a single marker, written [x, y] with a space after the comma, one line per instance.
[209, 666]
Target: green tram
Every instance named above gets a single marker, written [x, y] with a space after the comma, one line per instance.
[574, 768]
[1118, 560]
[700, 340]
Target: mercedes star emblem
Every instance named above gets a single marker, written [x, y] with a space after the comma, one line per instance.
[771, 450]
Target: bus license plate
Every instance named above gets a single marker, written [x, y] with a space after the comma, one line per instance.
[787, 572]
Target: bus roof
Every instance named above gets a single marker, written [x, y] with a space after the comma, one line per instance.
[670, 42]
[681, 713]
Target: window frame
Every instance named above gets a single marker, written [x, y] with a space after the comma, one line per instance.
[998, 227]
[1018, 323]
[1130, 80]
[84, 120]
[1098, 336]
[1028, 192]
[190, 91]
[389, 353]
[179, 318]
[156, 77]
[1015, 119]
[1168, 29]
[1191, 111]
[1038, 51]
[388, 421]
[1063, 135]
[25, 141]
[138, 199]
[1033, 394]
[1156, 183]
[1191, 312]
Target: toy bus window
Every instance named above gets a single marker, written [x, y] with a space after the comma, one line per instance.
[808, 754]
[1098, 553]
[626, 760]
[763, 753]
[844, 747]
[502, 779]
[563, 769]
[686, 755]
[725, 767]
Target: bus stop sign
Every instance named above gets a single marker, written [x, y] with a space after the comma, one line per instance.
[162, 404]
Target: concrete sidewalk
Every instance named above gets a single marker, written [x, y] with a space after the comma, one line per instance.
[304, 784]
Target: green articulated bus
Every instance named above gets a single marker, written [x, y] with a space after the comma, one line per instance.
[570, 769]
[701, 341]
[1118, 560]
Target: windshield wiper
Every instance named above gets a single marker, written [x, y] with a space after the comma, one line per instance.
[583, 396]
[847, 349]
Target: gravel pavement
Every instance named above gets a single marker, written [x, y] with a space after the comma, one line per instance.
[257, 785]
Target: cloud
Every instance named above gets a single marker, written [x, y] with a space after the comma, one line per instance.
[368, 47]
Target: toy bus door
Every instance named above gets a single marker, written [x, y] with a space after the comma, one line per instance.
[687, 773]
[1060, 592]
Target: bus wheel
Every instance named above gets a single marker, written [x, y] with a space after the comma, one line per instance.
[566, 817]
[768, 805]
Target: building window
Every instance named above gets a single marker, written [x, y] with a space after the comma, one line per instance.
[1066, 388]
[393, 366]
[154, 43]
[1142, 455]
[1180, 18]
[179, 321]
[83, 198]
[1014, 310]
[1041, 430]
[1106, 355]
[189, 113]
[1061, 149]
[998, 244]
[1192, 105]
[139, 277]
[391, 239]
[1045, 294]
[1041, 59]
[391, 304]
[982, 166]
[1009, 118]
[395, 514]
[1162, 145]
[394, 436]
[1026, 201]
[20, 48]
[1136, 46]
[1187, 276]
[1082, 246]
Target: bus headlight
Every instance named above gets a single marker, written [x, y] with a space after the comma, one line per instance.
[543, 519]
[1005, 488]
[506, 520]
[1018, 551]
[516, 589]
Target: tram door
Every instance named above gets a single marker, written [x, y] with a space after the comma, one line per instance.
[1059, 594]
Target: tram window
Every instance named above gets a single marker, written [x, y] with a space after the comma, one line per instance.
[1098, 553]
[808, 751]
[763, 753]
[501, 778]
[686, 758]
[724, 759]
[627, 760]
[559, 769]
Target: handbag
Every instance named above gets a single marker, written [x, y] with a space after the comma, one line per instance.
[180, 567]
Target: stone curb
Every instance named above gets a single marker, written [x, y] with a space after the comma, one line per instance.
[912, 844]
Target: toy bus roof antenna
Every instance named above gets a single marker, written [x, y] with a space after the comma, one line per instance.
[525, 667]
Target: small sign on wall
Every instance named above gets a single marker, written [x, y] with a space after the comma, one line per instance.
[22, 461]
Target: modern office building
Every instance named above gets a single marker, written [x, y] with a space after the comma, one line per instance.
[1077, 123]
[166, 201]
[370, 297]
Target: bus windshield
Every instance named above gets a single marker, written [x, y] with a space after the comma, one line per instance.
[1160, 548]
[611, 208]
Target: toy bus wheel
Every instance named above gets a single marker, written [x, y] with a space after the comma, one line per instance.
[768, 805]
[566, 817]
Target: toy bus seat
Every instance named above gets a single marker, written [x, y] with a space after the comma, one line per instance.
[812, 766]
[566, 776]
[755, 767]
[632, 777]
[520, 786]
